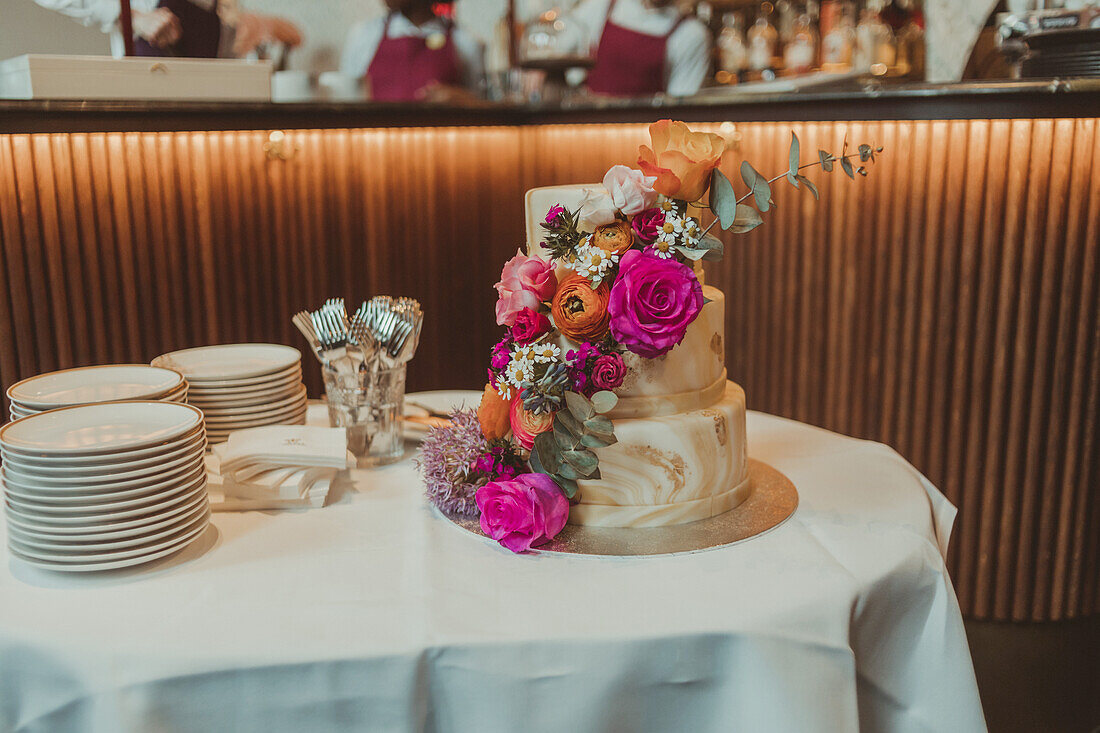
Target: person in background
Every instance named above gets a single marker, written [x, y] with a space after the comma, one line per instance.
[192, 28]
[645, 47]
[411, 53]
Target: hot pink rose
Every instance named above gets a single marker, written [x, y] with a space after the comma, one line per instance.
[528, 326]
[647, 225]
[608, 371]
[524, 283]
[652, 303]
[631, 191]
[521, 513]
[526, 424]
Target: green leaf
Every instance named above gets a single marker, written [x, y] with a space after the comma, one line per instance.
[568, 486]
[566, 440]
[810, 187]
[536, 464]
[847, 166]
[584, 461]
[826, 159]
[691, 253]
[599, 424]
[567, 471]
[792, 170]
[723, 200]
[604, 401]
[747, 219]
[579, 406]
[570, 423]
[596, 475]
[591, 440]
[761, 191]
[865, 153]
[548, 452]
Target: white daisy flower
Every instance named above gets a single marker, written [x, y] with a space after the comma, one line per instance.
[517, 372]
[547, 353]
[662, 249]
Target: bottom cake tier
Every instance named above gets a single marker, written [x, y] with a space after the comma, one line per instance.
[671, 469]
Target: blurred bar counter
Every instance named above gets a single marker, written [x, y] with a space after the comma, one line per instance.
[1077, 97]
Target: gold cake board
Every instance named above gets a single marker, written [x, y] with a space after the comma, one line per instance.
[772, 501]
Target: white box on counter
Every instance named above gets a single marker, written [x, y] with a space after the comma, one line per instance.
[41, 76]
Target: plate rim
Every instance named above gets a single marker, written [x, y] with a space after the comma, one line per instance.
[167, 358]
[52, 405]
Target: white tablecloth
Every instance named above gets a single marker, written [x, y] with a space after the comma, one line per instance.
[375, 614]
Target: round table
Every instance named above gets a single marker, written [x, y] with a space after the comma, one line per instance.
[375, 614]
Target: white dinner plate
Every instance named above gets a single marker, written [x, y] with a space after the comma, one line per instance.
[439, 401]
[230, 361]
[103, 460]
[116, 470]
[249, 402]
[101, 428]
[103, 544]
[248, 387]
[37, 490]
[92, 567]
[71, 505]
[64, 557]
[296, 397]
[92, 519]
[220, 426]
[83, 385]
[120, 528]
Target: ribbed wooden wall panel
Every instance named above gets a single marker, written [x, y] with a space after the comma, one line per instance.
[947, 305]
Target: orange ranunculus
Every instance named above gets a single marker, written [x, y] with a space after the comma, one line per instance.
[580, 312]
[492, 413]
[681, 159]
[614, 238]
[526, 424]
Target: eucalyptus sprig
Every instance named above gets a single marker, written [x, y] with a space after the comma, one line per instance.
[732, 214]
[565, 453]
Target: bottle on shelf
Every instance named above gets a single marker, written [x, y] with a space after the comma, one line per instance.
[733, 53]
[762, 41]
[838, 35]
[800, 52]
[876, 49]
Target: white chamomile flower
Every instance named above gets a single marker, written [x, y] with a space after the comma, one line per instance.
[518, 372]
[662, 249]
[547, 353]
[503, 389]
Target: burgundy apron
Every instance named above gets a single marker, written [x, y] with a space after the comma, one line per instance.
[629, 63]
[401, 67]
[202, 31]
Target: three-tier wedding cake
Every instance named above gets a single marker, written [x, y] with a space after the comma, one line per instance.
[608, 403]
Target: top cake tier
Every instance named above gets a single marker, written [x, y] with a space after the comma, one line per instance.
[691, 376]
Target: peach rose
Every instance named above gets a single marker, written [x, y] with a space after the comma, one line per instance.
[526, 424]
[493, 415]
[580, 312]
[614, 238]
[681, 160]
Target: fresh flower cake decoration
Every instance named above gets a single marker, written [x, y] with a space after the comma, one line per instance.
[620, 278]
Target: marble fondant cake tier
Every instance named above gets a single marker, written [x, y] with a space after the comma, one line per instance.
[670, 469]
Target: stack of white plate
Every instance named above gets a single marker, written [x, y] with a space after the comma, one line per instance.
[91, 384]
[240, 386]
[104, 486]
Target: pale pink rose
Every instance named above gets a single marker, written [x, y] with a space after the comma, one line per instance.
[596, 209]
[524, 283]
[631, 190]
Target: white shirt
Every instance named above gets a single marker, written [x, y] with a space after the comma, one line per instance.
[687, 55]
[103, 14]
[364, 38]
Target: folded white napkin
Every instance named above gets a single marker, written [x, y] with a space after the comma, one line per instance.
[276, 467]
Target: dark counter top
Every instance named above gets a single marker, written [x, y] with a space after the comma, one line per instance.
[1077, 97]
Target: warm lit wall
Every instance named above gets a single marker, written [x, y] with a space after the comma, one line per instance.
[946, 305]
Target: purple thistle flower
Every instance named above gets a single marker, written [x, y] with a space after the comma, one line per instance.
[446, 461]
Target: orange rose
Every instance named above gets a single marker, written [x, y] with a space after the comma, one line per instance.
[492, 413]
[526, 424]
[579, 311]
[681, 159]
[614, 238]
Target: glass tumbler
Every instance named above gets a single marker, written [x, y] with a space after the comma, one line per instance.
[370, 406]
